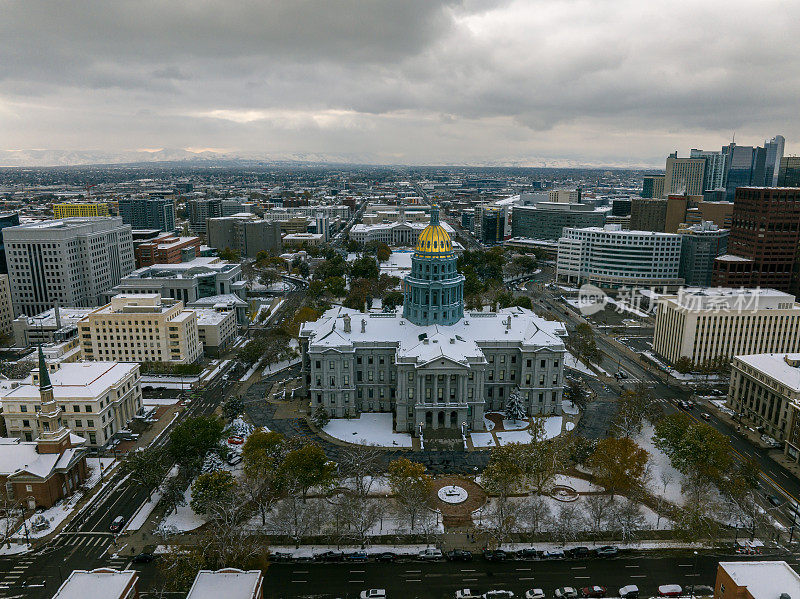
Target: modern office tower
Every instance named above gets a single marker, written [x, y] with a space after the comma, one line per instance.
[720, 213]
[774, 155]
[700, 245]
[148, 213]
[621, 207]
[714, 176]
[68, 262]
[141, 328]
[492, 225]
[80, 209]
[684, 176]
[6, 306]
[648, 214]
[97, 399]
[201, 210]
[7, 219]
[789, 172]
[432, 366]
[653, 186]
[739, 167]
[764, 237]
[703, 324]
[187, 281]
[248, 236]
[546, 220]
[612, 257]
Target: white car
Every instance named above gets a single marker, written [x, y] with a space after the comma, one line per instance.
[534, 594]
[630, 591]
[373, 594]
[430, 554]
[466, 594]
[566, 593]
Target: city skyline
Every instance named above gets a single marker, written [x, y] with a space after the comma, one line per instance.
[499, 83]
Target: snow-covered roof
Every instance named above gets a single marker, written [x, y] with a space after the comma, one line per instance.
[764, 580]
[460, 341]
[78, 380]
[209, 316]
[719, 298]
[213, 300]
[21, 456]
[102, 583]
[229, 583]
[732, 258]
[776, 366]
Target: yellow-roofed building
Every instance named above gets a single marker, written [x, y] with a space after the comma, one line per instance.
[71, 210]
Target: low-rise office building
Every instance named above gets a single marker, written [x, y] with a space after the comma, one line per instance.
[756, 580]
[705, 324]
[141, 328]
[612, 257]
[216, 327]
[97, 399]
[166, 248]
[295, 240]
[51, 326]
[230, 583]
[100, 583]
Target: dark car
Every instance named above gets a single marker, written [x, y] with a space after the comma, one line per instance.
[117, 524]
[143, 558]
[497, 555]
[606, 551]
[579, 552]
[386, 556]
[527, 553]
[281, 556]
[329, 556]
[356, 556]
[595, 592]
[459, 555]
[775, 500]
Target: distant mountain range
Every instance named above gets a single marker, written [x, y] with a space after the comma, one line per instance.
[39, 158]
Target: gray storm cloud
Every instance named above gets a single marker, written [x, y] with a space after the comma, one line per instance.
[417, 81]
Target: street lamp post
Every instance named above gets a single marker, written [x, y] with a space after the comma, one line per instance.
[694, 574]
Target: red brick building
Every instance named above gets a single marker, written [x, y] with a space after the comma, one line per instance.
[166, 248]
[765, 231]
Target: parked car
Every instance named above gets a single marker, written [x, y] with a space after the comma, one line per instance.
[553, 554]
[467, 594]
[702, 590]
[459, 555]
[386, 556]
[578, 552]
[498, 594]
[430, 554]
[630, 591]
[534, 594]
[775, 500]
[496, 555]
[684, 405]
[373, 594]
[281, 556]
[566, 593]
[606, 551]
[527, 553]
[594, 591]
[356, 556]
[670, 590]
[234, 458]
[143, 558]
[705, 416]
[117, 524]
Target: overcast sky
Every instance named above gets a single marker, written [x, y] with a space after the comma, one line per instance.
[401, 81]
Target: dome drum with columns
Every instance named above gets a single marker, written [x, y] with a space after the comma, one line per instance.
[434, 290]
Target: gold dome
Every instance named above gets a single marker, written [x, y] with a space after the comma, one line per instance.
[434, 240]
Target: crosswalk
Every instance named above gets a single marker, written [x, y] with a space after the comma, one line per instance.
[17, 574]
[86, 540]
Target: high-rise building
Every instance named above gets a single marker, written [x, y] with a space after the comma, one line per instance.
[653, 186]
[546, 220]
[684, 175]
[765, 231]
[80, 209]
[789, 172]
[201, 210]
[739, 165]
[68, 262]
[248, 236]
[492, 225]
[648, 214]
[714, 176]
[774, 155]
[148, 213]
[7, 219]
[700, 245]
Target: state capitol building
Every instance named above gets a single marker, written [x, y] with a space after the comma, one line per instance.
[432, 365]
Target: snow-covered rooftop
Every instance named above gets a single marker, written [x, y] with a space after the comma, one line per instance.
[78, 380]
[229, 583]
[459, 341]
[102, 583]
[776, 366]
[764, 580]
[209, 316]
[718, 298]
[22, 456]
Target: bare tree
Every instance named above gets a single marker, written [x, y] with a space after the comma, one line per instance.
[296, 518]
[598, 510]
[502, 519]
[355, 516]
[534, 514]
[359, 465]
[666, 477]
[629, 519]
[568, 523]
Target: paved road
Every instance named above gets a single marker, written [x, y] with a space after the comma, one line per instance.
[86, 543]
[413, 579]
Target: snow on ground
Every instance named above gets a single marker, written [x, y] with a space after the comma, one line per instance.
[580, 485]
[15, 549]
[368, 429]
[509, 425]
[482, 439]
[625, 307]
[144, 511]
[278, 366]
[488, 424]
[210, 374]
[506, 437]
[184, 519]
[688, 377]
[660, 469]
[722, 405]
[568, 408]
[308, 551]
[571, 361]
[569, 426]
[169, 382]
[250, 371]
[61, 510]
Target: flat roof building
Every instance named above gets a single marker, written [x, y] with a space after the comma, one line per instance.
[756, 580]
[229, 583]
[100, 583]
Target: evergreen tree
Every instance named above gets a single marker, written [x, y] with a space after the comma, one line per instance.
[515, 407]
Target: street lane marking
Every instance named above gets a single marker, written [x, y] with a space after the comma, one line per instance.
[469, 570]
[357, 571]
[581, 577]
[413, 571]
[413, 580]
[300, 572]
[578, 567]
[631, 566]
[354, 581]
[639, 576]
[524, 569]
[299, 581]
[525, 578]
[470, 579]
[684, 565]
